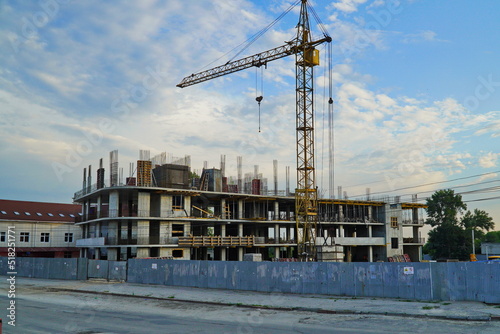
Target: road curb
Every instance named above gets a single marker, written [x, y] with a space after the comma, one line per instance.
[278, 308]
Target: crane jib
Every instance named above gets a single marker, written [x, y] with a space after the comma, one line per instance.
[256, 60]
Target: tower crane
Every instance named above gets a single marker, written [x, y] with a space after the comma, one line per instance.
[306, 57]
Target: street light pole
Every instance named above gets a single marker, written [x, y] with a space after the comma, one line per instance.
[473, 243]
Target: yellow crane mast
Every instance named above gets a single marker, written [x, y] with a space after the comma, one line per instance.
[306, 57]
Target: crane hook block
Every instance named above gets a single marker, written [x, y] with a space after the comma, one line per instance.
[259, 98]
[330, 101]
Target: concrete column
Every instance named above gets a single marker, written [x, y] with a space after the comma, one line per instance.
[112, 254]
[143, 204]
[370, 213]
[369, 231]
[165, 252]
[187, 205]
[97, 254]
[142, 233]
[113, 233]
[240, 249]
[415, 215]
[276, 234]
[276, 210]
[370, 253]
[223, 208]
[165, 232]
[98, 230]
[86, 209]
[240, 209]
[99, 206]
[223, 255]
[341, 231]
[142, 252]
[341, 213]
[167, 206]
[114, 200]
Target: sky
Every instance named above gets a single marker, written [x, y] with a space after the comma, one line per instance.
[416, 90]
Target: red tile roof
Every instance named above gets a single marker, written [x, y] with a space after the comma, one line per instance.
[38, 211]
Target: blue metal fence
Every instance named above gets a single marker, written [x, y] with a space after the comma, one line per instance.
[472, 281]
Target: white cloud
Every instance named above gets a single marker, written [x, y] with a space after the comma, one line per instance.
[348, 6]
[423, 36]
[489, 160]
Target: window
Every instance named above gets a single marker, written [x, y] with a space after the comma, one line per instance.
[27, 214]
[72, 215]
[67, 255]
[3, 212]
[177, 230]
[44, 237]
[38, 214]
[24, 237]
[68, 237]
[177, 253]
[51, 215]
[394, 243]
[178, 202]
[394, 222]
[2, 236]
[61, 215]
[16, 213]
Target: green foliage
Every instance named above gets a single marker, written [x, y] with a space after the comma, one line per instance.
[448, 242]
[443, 208]
[451, 236]
[479, 220]
[493, 236]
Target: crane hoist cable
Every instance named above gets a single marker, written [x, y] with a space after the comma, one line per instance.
[259, 93]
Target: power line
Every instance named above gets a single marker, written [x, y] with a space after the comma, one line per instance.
[431, 183]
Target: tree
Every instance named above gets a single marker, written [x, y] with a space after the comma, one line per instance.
[493, 236]
[477, 222]
[447, 239]
[443, 208]
[451, 236]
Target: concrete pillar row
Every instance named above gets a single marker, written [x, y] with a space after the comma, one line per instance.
[276, 233]
[240, 209]
[223, 208]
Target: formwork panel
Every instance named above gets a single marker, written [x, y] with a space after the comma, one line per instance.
[296, 277]
[82, 264]
[406, 285]
[347, 283]
[117, 271]
[203, 275]
[390, 278]
[491, 282]
[440, 286]
[457, 281]
[334, 277]
[374, 280]
[98, 269]
[422, 281]
[473, 279]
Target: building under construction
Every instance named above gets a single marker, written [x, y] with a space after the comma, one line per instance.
[163, 209]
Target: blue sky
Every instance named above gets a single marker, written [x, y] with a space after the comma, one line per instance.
[416, 90]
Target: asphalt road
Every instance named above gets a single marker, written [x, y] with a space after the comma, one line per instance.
[41, 311]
